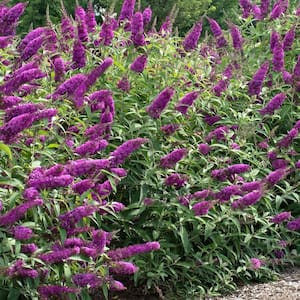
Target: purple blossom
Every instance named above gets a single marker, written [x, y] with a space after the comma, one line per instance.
[82, 30]
[124, 84]
[238, 169]
[278, 57]
[59, 255]
[22, 233]
[79, 57]
[160, 103]
[294, 225]
[59, 68]
[106, 34]
[221, 42]
[201, 194]
[116, 285]
[297, 164]
[246, 6]
[97, 72]
[286, 141]
[166, 26]
[255, 85]
[170, 160]
[251, 186]
[87, 279]
[17, 110]
[202, 208]
[204, 148]
[177, 180]
[296, 71]
[68, 87]
[9, 101]
[287, 77]
[32, 35]
[127, 10]
[123, 267]
[274, 40]
[67, 28]
[91, 147]
[220, 87]
[191, 40]
[5, 41]
[45, 114]
[119, 155]
[219, 134]
[82, 167]
[185, 102]
[279, 163]
[69, 219]
[247, 200]
[219, 174]
[83, 186]
[137, 29]
[211, 120]
[289, 39]
[90, 19]
[121, 253]
[16, 213]
[277, 10]
[264, 7]
[29, 248]
[139, 64]
[18, 269]
[275, 176]
[281, 217]
[48, 291]
[237, 39]
[100, 239]
[215, 28]
[147, 15]
[32, 48]
[169, 129]
[272, 105]
[17, 124]
[226, 192]
[255, 263]
[50, 182]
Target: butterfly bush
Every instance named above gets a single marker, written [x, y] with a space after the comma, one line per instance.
[96, 169]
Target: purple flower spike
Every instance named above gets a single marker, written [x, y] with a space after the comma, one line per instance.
[22, 233]
[147, 15]
[204, 148]
[294, 225]
[169, 129]
[255, 263]
[215, 28]
[137, 29]
[281, 217]
[278, 58]
[275, 176]
[246, 6]
[79, 59]
[106, 34]
[202, 208]
[127, 10]
[177, 180]
[274, 104]
[48, 291]
[160, 103]
[83, 186]
[18, 212]
[255, 85]
[124, 84]
[139, 64]
[191, 40]
[121, 253]
[170, 160]
[119, 155]
[90, 19]
[91, 147]
[236, 36]
[87, 280]
[185, 102]
[59, 255]
[123, 267]
[288, 39]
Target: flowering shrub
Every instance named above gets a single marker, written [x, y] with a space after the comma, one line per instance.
[186, 145]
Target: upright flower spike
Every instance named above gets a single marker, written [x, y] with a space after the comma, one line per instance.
[59, 68]
[255, 85]
[288, 39]
[32, 48]
[106, 34]
[264, 7]
[82, 30]
[160, 103]
[237, 40]
[191, 40]
[139, 64]
[274, 40]
[171, 159]
[185, 102]
[79, 56]
[137, 29]
[274, 104]
[90, 19]
[215, 28]
[127, 10]
[246, 6]
[147, 14]
[33, 34]
[278, 57]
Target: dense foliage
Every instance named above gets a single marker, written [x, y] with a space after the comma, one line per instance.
[120, 139]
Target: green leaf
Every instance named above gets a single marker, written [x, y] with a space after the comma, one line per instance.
[13, 294]
[5, 148]
[185, 239]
